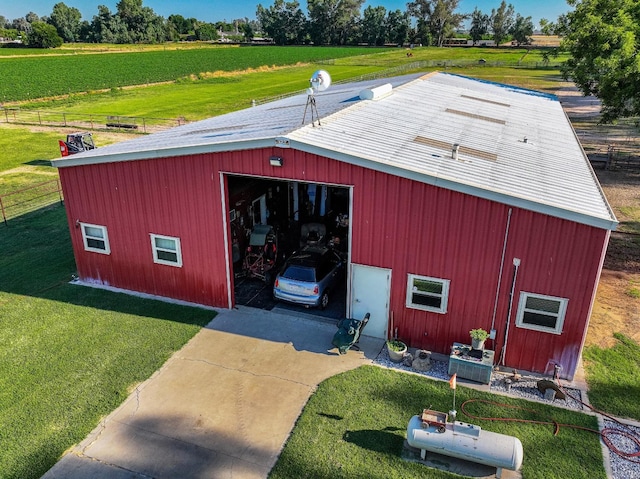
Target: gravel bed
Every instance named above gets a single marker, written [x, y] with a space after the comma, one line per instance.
[526, 388]
[622, 468]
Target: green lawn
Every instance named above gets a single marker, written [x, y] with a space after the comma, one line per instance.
[612, 375]
[355, 424]
[69, 355]
[20, 146]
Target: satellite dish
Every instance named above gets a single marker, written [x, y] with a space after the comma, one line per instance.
[320, 81]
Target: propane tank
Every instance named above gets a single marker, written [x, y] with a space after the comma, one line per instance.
[468, 442]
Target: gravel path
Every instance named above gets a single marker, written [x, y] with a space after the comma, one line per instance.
[526, 388]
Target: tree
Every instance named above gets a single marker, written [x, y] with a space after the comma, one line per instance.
[142, 24]
[43, 35]
[373, 27]
[443, 21]
[247, 31]
[603, 38]
[333, 22]
[283, 21]
[397, 25]
[66, 20]
[479, 25]
[32, 17]
[21, 24]
[547, 27]
[206, 31]
[501, 22]
[108, 28]
[178, 25]
[421, 11]
[522, 30]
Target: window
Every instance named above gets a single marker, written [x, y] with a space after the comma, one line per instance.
[166, 250]
[429, 294]
[542, 313]
[95, 238]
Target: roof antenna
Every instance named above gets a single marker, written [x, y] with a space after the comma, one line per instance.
[320, 81]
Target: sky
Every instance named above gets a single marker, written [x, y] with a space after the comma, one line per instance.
[217, 10]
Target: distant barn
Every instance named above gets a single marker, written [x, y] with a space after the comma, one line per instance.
[462, 204]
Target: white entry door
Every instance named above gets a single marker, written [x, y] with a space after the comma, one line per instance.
[370, 293]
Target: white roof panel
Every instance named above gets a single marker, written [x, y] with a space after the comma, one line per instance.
[516, 146]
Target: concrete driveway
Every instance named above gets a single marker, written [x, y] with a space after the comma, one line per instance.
[221, 407]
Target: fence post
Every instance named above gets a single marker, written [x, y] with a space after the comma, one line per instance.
[6, 115]
[59, 191]
[4, 217]
[39, 119]
[144, 125]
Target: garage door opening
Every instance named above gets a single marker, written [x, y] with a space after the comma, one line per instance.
[291, 236]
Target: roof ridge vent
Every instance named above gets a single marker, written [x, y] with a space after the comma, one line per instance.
[376, 93]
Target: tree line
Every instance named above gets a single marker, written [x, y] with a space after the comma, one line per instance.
[327, 22]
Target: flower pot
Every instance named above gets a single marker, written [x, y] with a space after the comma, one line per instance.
[477, 344]
[396, 355]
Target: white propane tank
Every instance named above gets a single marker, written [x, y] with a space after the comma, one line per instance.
[468, 442]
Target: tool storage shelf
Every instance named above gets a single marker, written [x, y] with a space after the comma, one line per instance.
[471, 364]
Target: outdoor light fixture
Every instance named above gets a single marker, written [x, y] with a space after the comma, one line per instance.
[275, 161]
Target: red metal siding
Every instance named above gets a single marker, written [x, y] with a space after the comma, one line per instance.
[397, 223]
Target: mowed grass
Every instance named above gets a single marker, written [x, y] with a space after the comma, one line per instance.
[69, 355]
[199, 99]
[354, 426]
[613, 375]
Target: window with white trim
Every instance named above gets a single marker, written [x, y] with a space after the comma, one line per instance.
[541, 313]
[95, 238]
[429, 294]
[166, 250]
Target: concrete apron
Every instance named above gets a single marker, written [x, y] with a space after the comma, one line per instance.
[221, 407]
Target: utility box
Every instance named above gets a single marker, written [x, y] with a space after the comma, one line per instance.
[471, 364]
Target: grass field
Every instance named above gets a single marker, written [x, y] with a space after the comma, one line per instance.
[45, 76]
[354, 427]
[68, 355]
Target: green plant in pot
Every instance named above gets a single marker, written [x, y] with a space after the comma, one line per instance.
[396, 349]
[478, 337]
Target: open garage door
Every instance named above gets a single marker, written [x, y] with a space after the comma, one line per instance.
[274, 221]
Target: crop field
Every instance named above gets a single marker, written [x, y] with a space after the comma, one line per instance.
[32, 76]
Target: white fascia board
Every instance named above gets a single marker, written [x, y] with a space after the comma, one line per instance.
[453, 185]
[163, 153]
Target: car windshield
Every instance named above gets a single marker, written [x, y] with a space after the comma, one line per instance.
[300, 273]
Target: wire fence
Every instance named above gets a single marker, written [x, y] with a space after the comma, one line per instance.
[29, 199]
[87, 121]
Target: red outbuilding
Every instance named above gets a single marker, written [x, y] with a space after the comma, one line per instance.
[460, 204]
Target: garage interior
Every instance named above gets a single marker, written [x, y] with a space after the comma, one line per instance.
[296, 214]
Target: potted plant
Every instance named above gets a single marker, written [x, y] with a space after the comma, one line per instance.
[396, 349]
[478, 337]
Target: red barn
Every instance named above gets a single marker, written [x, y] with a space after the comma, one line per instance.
[470, 205]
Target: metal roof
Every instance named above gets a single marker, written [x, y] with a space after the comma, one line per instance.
[515, 146]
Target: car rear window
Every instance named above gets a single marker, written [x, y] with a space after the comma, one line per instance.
[300, 273]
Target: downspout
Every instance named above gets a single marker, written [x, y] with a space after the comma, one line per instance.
[516, 264]
[504, 251]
